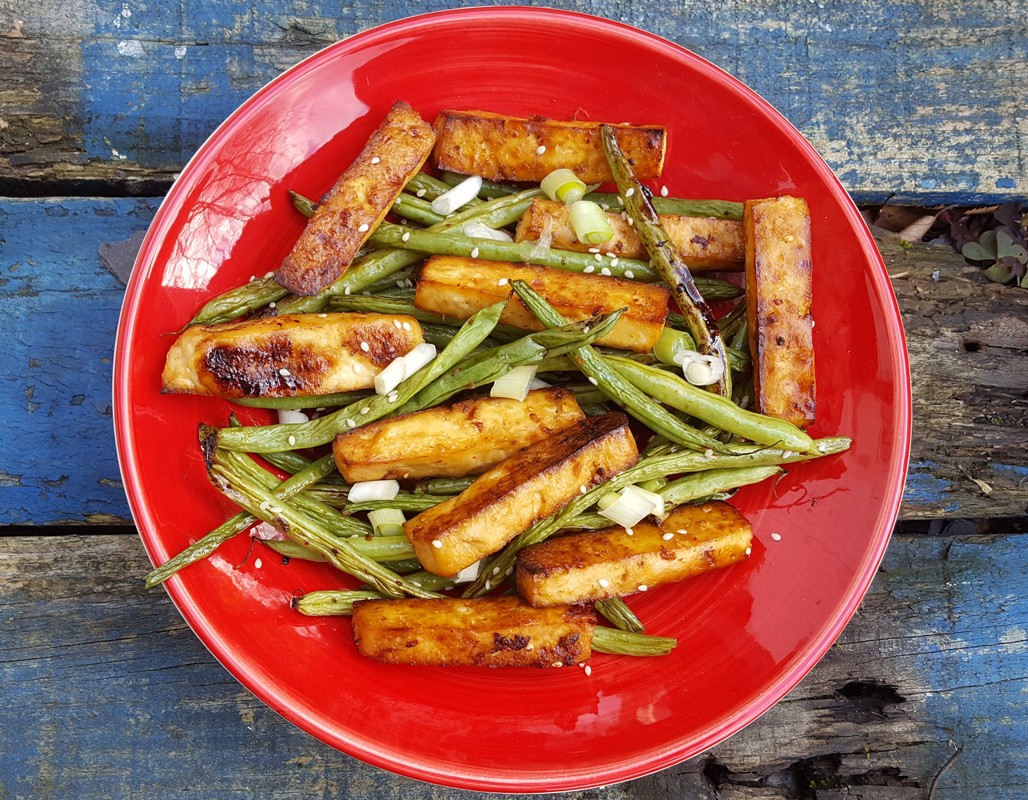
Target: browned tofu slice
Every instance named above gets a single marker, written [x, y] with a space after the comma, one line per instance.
[287, 356]
[484, 632]
[458, 287]
[528, 486]
[704, 243]
[359, 200]
[501, 148]
[611, 563]
[778, 294]
[464, 438]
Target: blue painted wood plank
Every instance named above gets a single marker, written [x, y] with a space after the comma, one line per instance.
[110, 695]
[915, 101]
[60, 311]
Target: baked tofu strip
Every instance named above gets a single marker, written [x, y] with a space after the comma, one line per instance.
[458, 287]
[501, 148]
[464, 438]
[611, 563]
[358, 201]
[485, 632]
[507, 499]
[287, 356]
[704, 243]
[778, 280]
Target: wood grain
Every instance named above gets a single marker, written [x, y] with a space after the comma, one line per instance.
[113, 696]
[967, 342]
[917, 102]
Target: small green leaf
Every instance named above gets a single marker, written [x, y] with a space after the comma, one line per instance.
[1024, 281]
[1003, 241]
[999, 273]
[975, 252]
[1016, 252]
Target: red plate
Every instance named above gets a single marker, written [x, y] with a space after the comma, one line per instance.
[746, 635]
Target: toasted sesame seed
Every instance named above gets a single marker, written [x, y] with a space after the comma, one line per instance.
[365, 347]
[630, 532]
[420, 192]
[258, 564]
[668, 537]
[583, 489]
[629, 274]
[604, 583]
[588, 670]
[351, 424]
[620, 201]
[682, 531]
[363, 227]
[776, 537]
[474, 252]
[272, 304]
[502, 282]
[663, 191]
[630, 192]
[375, 160]
[291, 440]
[366, 410]
[540, 150]
[749, 550]
[598, 257]
[642, 587]
[284, 372]
[557, 664]
[605, 271]
[613, 261]
[438, 545]
[488, 585]
[594, 249]
[593, 381]
[589, 269]
[406, 326]
[396, 322]
[405, 237]
[269, 273]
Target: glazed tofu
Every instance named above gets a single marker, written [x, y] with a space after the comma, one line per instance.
[484, 632]
[507, 499]
[358, 201]
[704, 243]
[611, 563]
[779, 287]
[458, 287]
[287, 356]
[501, 148]
[464, 438]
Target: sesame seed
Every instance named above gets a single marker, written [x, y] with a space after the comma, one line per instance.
[346, 290]
[365, 410]
[396, 322]
[776, 536]
[530, 647]
[284, 372]
[357, 368]
[620, 201]
[365, 347]
[401, 284]
[375, 160]
[630, 221]
[593, 381]
[557, 664]
[438, 545]
[488, 585]
[629, 531]
[269, 273]
[597, 256]
[272, 304]
[405, 237]
[629, 274]
[363, 227]
[496, 570]
[668, 537]
[291, 440]
[406, 326]
[605, 271]
[682, 531]
[583, 489]
[420, 193]
[587, 328]
[604, 583]
[393, 397]
[822, 447]
[588, 670]
[663, 191]
[502, 282]
[630, 192]
[589, 269]
[253, 277]
[594, 249]
[749, 550]
[643, 587]
[812, 324]
[540, 150]
[708, 453]
[351, 424]
[474, 252]
[258, 564]
[789, 237]
[614, 261]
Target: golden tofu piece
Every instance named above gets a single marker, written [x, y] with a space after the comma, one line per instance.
[287, 356]
[502, 148]
[596, 565]
[484, 632]
[778, 295]
[704, 243]
[359, 200]
[506, 500]
[458, 287]
[464, 438]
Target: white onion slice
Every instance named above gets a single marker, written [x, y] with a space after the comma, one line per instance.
[653, 497]
[460, 195]
[699, 369]
[387, 521]
[291, 416]
[515, 384]
[469, 573]
[628, 510]
[373, 490]
[390, 377]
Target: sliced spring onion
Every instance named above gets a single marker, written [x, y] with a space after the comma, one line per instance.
[479, 230]
[420, 356]
[609, 499]
[515, 384]
[391, 377]
[563, 185]
[373, 490]
[291, 416]
[629, 510]
[589, 222]
[468, 574]
[699, 369]
[460, 195]
[538, 383]
[387, 521]
[653, 497]
[671, 345]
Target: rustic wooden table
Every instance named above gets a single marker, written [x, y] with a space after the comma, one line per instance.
[107, 694]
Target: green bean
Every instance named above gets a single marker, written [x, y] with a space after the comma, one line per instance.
[722, 209]
[287, 548]
[618, 614]
[635, 402]
[678, 393]
[664, 256]
[629, 643]
[414, 208]
[714, 481]
[424, 185]
[272, 438]
[304, 205]
[587, 522]
[302, 402]
[240, 301]
[398, 280]
[334, 603]
[444, 486]
[404, 501]
[206, 545]
[340, 552]
[377, 304]
[489, 190]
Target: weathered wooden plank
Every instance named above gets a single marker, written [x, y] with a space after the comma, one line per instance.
[916, 101]
[112, 696]
[967, 343]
